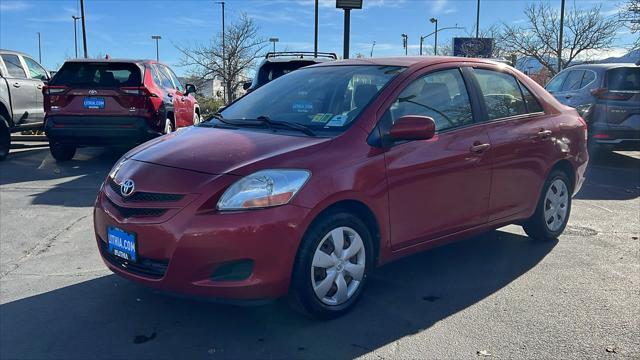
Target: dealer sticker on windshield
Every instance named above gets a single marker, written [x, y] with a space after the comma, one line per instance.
[338, 120]
[321, 117]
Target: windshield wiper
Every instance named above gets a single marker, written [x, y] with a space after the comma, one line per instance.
[290, 125]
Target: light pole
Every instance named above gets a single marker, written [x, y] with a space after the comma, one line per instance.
[405, 40]
[560, 37]
[39, 49]
[435, 42]
[157, 38]
[84, 29]
[436, 33]
[347, 6]
[315, 34]
[274, 40]
[75, 33]
[224, 57]
[372, 46]
[478, 20]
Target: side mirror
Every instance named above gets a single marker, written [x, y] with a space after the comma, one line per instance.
[246, 85]
[189, 89]
[413, 127]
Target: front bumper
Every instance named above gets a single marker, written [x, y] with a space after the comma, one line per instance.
[99, 130]
[182, 254]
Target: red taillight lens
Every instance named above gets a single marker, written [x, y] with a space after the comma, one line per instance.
[140, 91]
[54, 90]
[605, 94]
[601, 136]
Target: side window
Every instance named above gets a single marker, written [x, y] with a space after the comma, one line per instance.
[13, 65]
[441, 95]
[533, 106]
[36, 71]
[501, 94]
[555, 83]
[588, 77]
[573, 80]
[165, 81]
[175, 79]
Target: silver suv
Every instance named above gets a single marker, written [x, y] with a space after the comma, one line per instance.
[608, 97]
[21, 103]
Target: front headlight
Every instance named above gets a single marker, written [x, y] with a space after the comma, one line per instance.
[263, 189]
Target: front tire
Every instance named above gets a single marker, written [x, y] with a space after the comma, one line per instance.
[553, 210]
[332, 265]
[5, 139]
[61, 152]
[168, 126]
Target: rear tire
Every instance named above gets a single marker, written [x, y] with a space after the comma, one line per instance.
[61, 152]
[327, 282]
[196, 118]
[553, 210]
[5, 139]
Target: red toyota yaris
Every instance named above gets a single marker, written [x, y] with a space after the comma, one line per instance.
[309, 182]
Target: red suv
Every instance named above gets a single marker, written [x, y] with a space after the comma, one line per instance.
[310, 181]
[101, 102]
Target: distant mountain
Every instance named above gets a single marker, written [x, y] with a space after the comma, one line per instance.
[531, 65]
[631, 57]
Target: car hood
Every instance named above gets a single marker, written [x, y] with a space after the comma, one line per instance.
[218, 151]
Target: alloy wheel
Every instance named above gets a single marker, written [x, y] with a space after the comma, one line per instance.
[338, 266]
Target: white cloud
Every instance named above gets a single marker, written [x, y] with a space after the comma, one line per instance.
[13, 5]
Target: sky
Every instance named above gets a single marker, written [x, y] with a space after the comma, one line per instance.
[123, 29]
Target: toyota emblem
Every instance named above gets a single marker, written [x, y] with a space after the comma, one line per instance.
[93, 92]
[127, 187]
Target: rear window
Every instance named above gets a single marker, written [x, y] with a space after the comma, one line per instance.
[273, 70]
[624, 79]
[98, 74]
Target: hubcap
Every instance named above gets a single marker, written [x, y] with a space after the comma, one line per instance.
[338, 266]
[555, 205]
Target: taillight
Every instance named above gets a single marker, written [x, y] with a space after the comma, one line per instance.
[54, 90]
[605, 94]
[140, 91]
[601, 136]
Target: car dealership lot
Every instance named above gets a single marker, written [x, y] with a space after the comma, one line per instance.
[500, 294]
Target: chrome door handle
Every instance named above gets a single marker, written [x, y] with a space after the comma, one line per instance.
[568, 96]
[15, 84]
[39, 87]
[478, 148]
[544, 133]
[170, 95]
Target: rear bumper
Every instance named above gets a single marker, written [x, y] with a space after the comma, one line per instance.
[99, 130]
[617, 137]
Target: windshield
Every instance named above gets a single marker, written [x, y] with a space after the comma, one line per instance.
[326, 98]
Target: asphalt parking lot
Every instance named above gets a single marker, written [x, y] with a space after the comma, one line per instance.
[500, 295]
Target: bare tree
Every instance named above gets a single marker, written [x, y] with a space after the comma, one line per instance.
[243, 46]
[585, 30]
[630, 17]
[495, 32]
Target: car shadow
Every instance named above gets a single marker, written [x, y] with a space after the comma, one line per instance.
[70, 183]
[109, 317]
[611, 176]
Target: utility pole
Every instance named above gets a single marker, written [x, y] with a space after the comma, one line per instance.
[372, 46]
[478, 20]
[405, 41]
[75, 33]
[39, 49]
[84, 29]
[224, 59]
[560, 43]
[435, 43]
[315, 36]
[157, 38]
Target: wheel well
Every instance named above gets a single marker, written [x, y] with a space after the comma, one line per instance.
[365, 214]
[566, 167]
[197, 110]
[170, 117]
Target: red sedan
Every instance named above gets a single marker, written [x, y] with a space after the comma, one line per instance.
[309, 182]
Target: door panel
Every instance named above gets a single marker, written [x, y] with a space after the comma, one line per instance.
[37, 76]
[438, 186]
[22, 91]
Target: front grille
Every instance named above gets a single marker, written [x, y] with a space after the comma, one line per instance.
[144, 267]
[142, 196]
[137, 212]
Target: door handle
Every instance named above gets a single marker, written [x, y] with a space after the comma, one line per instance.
[479, 148]
[170, 95]
[568, 96]
[39, 87]
[544, 133]
[15, 84]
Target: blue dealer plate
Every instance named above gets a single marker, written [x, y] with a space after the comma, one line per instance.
[122, 244]
[93, 103]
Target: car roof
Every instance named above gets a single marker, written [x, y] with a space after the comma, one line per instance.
[13, 52]
[604, 66]
[133, 61]
[409, 61]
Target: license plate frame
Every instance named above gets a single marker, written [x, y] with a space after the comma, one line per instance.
[123, 244]
[93, 102]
